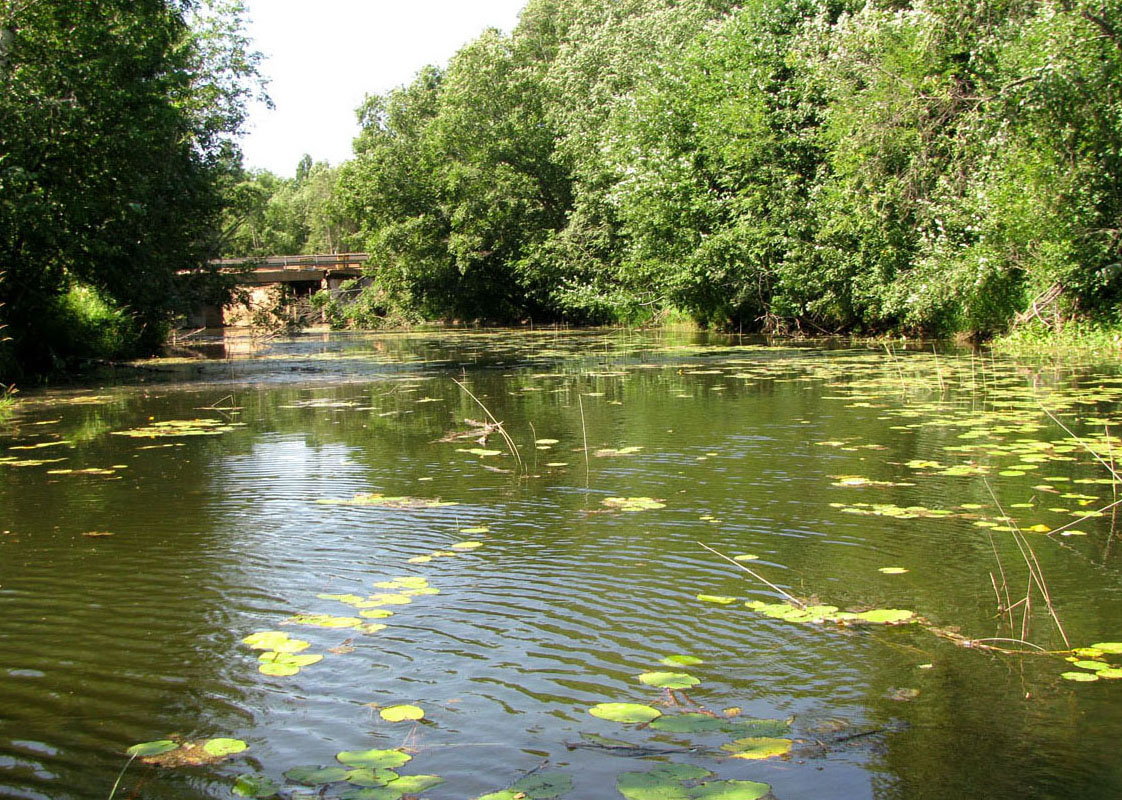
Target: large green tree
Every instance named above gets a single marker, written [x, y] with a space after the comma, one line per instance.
[117, 120]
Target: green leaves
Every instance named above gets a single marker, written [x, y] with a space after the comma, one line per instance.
[224, 747]
[669, 680]
[152, 748]
[378, 759]
[625, 712]
[402, 713]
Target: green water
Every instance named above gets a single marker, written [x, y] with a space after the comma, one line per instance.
[133, 566]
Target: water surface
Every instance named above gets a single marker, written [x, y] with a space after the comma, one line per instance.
[133, 566]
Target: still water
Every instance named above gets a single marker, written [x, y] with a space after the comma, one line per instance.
[150, 525]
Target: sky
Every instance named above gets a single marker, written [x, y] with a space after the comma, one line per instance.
[322, 57]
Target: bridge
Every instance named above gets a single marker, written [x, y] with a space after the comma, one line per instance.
[299, 276]
[293, 269]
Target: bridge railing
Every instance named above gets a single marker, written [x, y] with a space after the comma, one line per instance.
[316, 261]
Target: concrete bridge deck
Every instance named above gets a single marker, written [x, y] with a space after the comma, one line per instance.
[292, 269]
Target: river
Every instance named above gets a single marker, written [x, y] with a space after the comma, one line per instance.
[646, 527]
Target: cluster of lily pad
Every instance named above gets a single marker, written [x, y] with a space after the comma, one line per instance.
[1093, 664]
[181, 427]
[632, 503]
[379, 500]
[751, 739]
[173, 753]
[362, 775]
[686, 782]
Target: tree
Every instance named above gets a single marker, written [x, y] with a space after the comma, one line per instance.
[116, 125]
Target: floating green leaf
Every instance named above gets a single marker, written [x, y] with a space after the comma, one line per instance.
[368, 776]
[278, 670]
[325, 621]
[224, 747]
[266, 640]
[669, 680]
[892, 570]
[729, 790]
[681, 661]
[467, 545]
[624, 712]
[376, 600]
[254, 786]
[720, 599]
[378, 500]
[1084, 677]
[662, 783]
[879, 616]
[1114, 648]
[415, 784]
[632, 503]
[314, 776]
[387, 759]
[402, 713]
[152, 748]
[758, 747]
[696, 722]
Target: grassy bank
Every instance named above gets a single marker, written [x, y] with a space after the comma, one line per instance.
[7, 402]
[1079, 340]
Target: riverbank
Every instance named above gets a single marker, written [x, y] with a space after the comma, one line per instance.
[1076, 341]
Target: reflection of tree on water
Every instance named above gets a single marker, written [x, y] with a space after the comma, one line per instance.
[553, 609]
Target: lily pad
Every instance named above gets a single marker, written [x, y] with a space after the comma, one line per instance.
[315, 776]
[880, 616]
[624, 712]
[892, 570]
[152, 748]
[758, 747]
[368, 776]
[662, 783]
[376, 600]
[1084, 677]
[467, 545]
[729, 790]
[632, 503]
[378, 500]
[255, 786]
[325, 621]
[415, 784]
[266, 640]
[278, 670]
[681, 661]
[720, 599]
[1114, 648]
[221, 747]
[669, 680]
[402, 713]
[387, 759]
[695, 722]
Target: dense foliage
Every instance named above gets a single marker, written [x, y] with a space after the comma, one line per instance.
[271, 215]
[776, 164]
[116, 120]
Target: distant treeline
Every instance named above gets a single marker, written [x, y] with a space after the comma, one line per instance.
[773, 164]
[781, 165]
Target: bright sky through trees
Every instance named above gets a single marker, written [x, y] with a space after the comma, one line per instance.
[323, 57]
